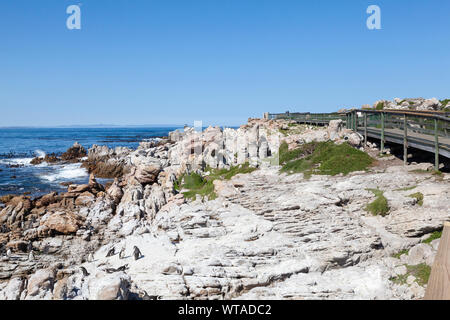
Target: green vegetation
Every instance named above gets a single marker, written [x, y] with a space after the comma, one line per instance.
[437, 173]
[418, 196]
[420, 171]
[435, 235]
[380, 205]
[197, 185]
[400, 279]
[400, 253]
[421, 272]
[445, 104]
[380, 106]
[204, 186]
[323, 158]
[406, 189]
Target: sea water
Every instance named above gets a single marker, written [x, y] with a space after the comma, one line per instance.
[18, 146]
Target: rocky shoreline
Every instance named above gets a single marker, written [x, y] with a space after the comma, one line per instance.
[265, 234]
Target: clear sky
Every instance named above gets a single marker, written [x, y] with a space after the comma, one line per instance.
[220, 61]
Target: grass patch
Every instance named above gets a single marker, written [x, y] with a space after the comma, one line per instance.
[421, 272]
[400, 253]
[204, 186]
[323, 158]
[198, 185]
[421, 171]
[418, 196]
[435, 235]
[400, 280]
[380, 205]
[227, 174]
[406, 189]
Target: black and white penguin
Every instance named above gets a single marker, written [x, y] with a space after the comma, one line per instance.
[136, 253]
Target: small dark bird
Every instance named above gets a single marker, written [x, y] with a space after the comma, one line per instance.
[137, 253]
[111, 252]
[85, 273]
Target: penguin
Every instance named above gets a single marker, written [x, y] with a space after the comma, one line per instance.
[137, 253]
[122, 253]
[31, 256]
[110, 270]
[85, 273]
[90, 257]
[29, 246]
[8, 253]
[111, 252]
[122, 268]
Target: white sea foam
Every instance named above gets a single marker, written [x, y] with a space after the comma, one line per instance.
[65, 173]
[40, 153]
[17, 161]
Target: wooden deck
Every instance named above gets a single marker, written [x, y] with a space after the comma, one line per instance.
[425, 129]
[415, 140]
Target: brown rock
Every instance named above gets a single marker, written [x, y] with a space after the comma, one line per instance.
[47, 200]
[74, 153]
[18, 245]
[115, 192]
[62, 222]
[79, 188]
[148, 173]
[85, 199]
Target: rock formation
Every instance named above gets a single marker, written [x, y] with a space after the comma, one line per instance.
[266, 235]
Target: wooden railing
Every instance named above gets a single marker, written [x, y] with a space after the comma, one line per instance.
[425, 130]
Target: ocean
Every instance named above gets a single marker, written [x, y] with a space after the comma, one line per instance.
[18, 146]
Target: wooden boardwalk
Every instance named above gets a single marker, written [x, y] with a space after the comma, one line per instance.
[423, 130]
[415, 140]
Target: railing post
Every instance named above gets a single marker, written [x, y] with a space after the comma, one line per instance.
[436, 145]
[382, 132]
[365, 129]
[353, 120]
[405, 140]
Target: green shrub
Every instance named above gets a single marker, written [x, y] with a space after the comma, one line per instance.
[418, 196]
[435, 235]
[204, 186]
[380, 106]
[325, 158]
[380, 205]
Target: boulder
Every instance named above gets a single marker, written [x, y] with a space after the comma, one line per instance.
[62, 222]
[109, 287]
[334, 129]
[75, 152]
[148, 173]
[115, 191]
[40, 284]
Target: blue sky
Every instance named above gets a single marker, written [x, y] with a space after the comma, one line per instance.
[220, 61]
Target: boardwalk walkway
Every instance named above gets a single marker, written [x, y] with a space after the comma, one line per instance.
[423, 130]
